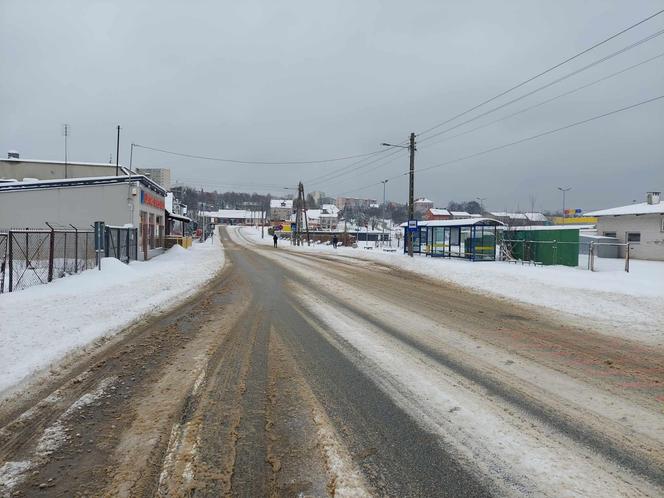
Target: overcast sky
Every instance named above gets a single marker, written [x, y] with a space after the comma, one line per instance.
[309, 80]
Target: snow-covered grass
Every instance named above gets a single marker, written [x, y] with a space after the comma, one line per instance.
[623, 304]
[42, 324]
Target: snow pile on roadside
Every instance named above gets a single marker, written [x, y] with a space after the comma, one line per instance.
[623, 304]
[40, 325]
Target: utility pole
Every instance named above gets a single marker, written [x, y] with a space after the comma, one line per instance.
[65, 131]
[382, 237]
[302, 210]
[411, 191]
[411, 187]
[117, 154]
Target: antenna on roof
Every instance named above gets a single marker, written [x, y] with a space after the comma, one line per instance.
[65, 133]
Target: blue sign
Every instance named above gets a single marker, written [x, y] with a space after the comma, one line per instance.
[412, 225]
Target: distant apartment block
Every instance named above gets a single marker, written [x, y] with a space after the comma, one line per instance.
[162, 176]
[354, 202]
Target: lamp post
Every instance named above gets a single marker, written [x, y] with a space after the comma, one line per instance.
[382, 237]
[564, 191]
[481, 199]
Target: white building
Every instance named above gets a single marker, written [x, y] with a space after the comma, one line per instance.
[232, 217]
[17, 169]
[642, 225]
[325, 218]
[281, 209]
[422, 205]
[116, 200]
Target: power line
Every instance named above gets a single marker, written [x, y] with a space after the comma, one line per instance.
[517, 142]
[316, 179]
[331, 176]
[402, 155]
[344, 171]
[562, 78]
[237, 161]
[547, 101]
[539, 135]
[546, 71]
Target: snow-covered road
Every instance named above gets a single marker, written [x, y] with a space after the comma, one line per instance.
[302, 373]
[621, 304]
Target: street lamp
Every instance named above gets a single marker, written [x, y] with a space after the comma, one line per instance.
[382, 237]
[564, 191]
[481, 199]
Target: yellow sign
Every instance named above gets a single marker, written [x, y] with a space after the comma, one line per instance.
[578, 220]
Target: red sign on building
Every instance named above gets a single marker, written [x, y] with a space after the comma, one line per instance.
[152, 200]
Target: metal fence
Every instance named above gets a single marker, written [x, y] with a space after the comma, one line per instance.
[121, 243]
[36, 256]
[3, 259]
[588, 255]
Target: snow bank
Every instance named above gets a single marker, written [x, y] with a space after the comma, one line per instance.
[41, 324]
[622, 304]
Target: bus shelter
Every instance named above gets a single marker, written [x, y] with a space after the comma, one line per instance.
[472, 238]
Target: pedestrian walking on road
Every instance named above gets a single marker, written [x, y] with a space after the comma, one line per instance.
[335, 241]
[275, 238]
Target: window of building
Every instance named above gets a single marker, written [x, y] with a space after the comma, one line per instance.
[661, 228]
[634, 237]
[609, 234]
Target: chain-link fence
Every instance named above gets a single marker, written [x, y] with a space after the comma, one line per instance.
[121, 243]
[36, 256]
[3, 260]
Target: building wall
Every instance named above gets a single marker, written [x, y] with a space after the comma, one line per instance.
[52, 171]
[81, 206]
[354, 202]
[648, 225]
[280, 213]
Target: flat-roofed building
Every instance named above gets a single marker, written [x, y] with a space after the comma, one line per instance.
[641, 224]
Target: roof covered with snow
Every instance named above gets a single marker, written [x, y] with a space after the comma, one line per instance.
[457, 223]
[460, 213]
[281, 203]
[232, 213]
[33, 183]
[640, 208]
[423, 200]
[439, 212]
[46, 161]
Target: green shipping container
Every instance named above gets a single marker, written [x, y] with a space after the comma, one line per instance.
[549, 247]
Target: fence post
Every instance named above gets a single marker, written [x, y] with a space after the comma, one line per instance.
[627, 259]
[591, 256]
[11, 261]
[75, 248]
[51, 250]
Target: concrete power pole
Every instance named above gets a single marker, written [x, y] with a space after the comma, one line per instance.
[302, 206]
[411, 192]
